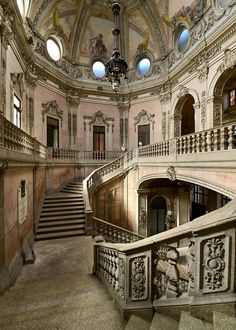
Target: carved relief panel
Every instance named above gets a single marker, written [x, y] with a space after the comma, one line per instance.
[140, 276]
[216, 263]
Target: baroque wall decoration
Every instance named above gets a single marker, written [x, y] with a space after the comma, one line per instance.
[144, 118]
[214, 263]
[139, 278]
[53, 109]
[171, 173]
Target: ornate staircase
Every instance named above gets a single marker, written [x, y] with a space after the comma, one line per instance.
[62, 213]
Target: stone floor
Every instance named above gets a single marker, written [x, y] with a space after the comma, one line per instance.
[58, 292]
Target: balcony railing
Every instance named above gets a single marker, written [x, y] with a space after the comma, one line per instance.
[155, 272]
[14, 138]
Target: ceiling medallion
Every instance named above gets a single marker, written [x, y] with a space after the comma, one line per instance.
[116, 67]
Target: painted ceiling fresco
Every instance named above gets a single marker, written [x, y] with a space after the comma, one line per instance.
[82, 26]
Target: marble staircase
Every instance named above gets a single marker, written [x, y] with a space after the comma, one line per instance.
[63, 213]
[220, 321]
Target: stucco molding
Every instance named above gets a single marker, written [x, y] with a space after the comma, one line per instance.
[144, 118]
[53, 109]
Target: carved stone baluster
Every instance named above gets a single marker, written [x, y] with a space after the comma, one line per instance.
[223, 138]
[172, 274]
[231, 137]
[215, 139]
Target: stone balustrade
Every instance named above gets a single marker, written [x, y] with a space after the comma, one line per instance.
[114, 233]
[156, 272]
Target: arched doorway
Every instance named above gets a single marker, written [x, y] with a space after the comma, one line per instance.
[187, 121]
[157, 215]
[184, 118]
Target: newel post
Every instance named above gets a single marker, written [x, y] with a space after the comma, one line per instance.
[172, 274]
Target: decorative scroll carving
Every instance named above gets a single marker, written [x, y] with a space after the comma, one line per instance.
[142, 218]
[99, 119]
[202, 71]
[182, 91]
[3, 167]
[229, 60]
[217, 108]
[215, 264]
[52, 108]
[144, 118]
[171, 173]
[138, 278]
[203, 110]
[166, 97]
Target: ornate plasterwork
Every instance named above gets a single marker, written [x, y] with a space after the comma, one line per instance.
[142, 218]
[139, 278]
[165, 97]
[143, 118]
[53, 109]
[229, 60]
[99, 119]
[171, 173]
[203, 110]
[182, 91]
[202, 72]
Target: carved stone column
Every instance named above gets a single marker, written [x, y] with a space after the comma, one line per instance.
[72, 103]
[165, 107]
[142, 211]
[215, 105]
[124, 106]
[5, 37]
[31, 82]
[197, 116]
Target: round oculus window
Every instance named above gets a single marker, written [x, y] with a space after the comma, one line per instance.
[98, 69]
[183, 39]
[54, 49]
[144, 66]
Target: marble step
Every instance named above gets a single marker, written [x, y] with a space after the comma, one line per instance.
[65, 209]
[60, 204]
[60, 217]
[67, 222]
[56, 229]
[64, 234]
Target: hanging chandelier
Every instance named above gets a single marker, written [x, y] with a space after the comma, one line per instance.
[116, 67]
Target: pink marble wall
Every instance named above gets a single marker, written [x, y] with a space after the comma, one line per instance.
[44, 95]
[15, 235]
[152, 107]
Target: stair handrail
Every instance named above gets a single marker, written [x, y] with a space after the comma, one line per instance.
[113, 232]
[132, 271]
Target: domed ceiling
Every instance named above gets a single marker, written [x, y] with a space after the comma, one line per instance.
[84, 29]
[80, 22]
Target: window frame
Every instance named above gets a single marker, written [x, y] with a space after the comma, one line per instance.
[57, 41]
[17, 110]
